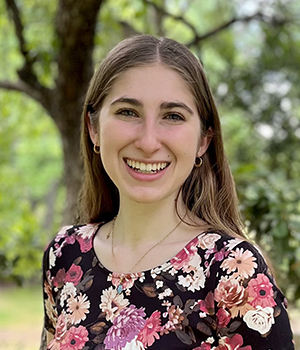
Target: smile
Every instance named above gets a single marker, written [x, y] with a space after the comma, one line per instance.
[149, 168]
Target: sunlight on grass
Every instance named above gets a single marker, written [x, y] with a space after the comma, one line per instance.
[21, 317]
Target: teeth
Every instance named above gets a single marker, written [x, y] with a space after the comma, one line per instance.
[146, 168]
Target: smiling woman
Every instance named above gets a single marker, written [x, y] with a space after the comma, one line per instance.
[159, 258]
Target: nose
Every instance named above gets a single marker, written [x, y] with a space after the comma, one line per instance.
[148, 138]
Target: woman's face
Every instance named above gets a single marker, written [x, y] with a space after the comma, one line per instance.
[149, 133]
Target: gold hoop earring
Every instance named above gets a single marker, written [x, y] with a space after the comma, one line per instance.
[198, 162]
[97, 149]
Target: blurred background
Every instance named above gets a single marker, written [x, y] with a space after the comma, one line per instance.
[250, 50]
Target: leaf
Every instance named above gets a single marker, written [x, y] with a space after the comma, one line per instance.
[234, 326]
[88, 285]
[203, 328]
[191, 334]
[77, 261]
[98, 327]
[177, 301]
[180, 287]
[183, 337]
[149, 290]
[189, 306]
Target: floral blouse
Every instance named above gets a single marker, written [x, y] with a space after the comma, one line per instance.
[216, 293]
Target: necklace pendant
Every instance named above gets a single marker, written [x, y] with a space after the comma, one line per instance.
[120, 288]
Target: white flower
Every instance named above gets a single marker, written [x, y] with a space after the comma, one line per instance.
[208, 240]
[134, 345]
[210, 340]
[193, 281]
[159, 284]
[87, 231]
[112, 303]
[52, 257]
[233, 243]
[68, 290]
[260, 320]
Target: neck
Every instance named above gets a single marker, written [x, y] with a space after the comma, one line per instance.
[139, 224]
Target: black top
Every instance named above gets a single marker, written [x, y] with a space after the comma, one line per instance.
[216, 293]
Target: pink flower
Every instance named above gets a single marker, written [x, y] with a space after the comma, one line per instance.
[75, 338]
[59, 279]
[125, 327]
[233, 343]
[242, 261]
[74, 274]
[85, 244]
[208, 305]
[185, 255]
[223, 317]
[149, 333]
[230, 294]
[261, 290]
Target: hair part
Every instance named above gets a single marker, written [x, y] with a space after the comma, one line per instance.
[209, 191]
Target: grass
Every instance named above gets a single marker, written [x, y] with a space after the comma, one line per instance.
[21, 318]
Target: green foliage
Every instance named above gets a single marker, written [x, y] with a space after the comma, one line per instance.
[30, 172]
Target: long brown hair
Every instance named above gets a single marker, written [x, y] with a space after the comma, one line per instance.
[209, 191]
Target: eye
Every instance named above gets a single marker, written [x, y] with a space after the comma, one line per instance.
[126, 112]
[176, 117]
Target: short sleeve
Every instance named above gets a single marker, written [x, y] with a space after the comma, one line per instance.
[250, 310]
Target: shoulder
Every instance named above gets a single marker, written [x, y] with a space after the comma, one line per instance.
[70, 240]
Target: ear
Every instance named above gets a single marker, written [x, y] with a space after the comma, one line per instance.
[92, 130]
[204, 143]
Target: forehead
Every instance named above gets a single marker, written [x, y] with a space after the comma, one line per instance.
[154, 81]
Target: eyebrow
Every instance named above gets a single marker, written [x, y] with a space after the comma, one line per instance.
[164, 105]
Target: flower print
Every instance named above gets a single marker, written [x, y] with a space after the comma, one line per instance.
[126, 280]
[125, 327]
[74, 274]
[166, 293]
[59, 280]
[51, 311]
[149, 333]
[230, 294]
[63, 233]
[48, 291]
[61, 327]
[261, 290]
[78, 307]
[175, 315]
[184, 257]
[232, 243]
[233, 343]
[260, 319]
[85, 244]
[194, 280]
[208, 240]
[87, 231]
[112, 303]
[223, 318]
[134, 345]
[75, 338]
[159, 284]
[208, 305]
[242, 261]
[68, 290]
[52, 257]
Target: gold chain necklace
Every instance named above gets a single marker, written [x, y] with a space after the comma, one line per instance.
[112, 232]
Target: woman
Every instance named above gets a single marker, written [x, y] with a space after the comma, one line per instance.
[163, 262]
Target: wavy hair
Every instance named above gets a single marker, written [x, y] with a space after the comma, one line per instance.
[209, 191]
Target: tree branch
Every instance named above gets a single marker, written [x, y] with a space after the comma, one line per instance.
[41, 96]
[224, 26]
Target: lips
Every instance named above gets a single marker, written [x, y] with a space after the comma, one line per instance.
[146, 168]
